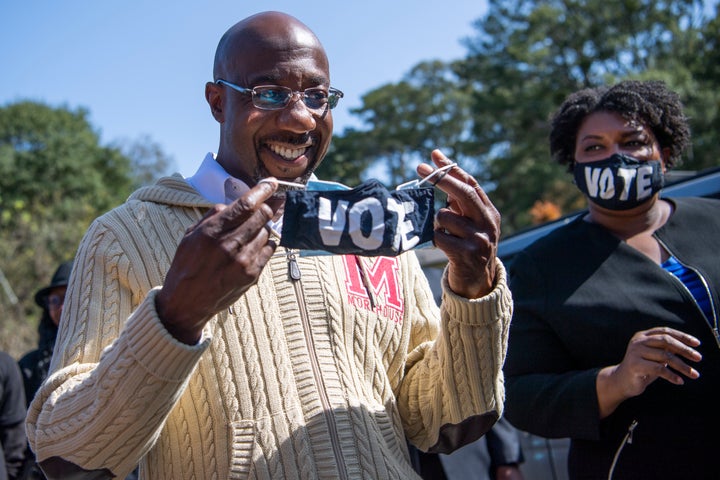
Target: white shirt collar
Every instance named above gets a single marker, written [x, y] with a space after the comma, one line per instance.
[214, 183]
[217, 186]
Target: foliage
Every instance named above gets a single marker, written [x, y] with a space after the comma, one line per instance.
[148, 161]
[544, 211]
[528, 56]
[693, 69]
[490, 110]
[346, 159]
[55, 178]
[408, 119]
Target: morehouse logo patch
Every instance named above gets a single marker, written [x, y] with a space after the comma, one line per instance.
[381, 275]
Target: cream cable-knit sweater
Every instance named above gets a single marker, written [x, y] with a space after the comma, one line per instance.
[299, 379]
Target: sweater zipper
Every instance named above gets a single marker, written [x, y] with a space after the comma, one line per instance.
[365, 281]
[627, 440]
[712, 323]
[295, 277]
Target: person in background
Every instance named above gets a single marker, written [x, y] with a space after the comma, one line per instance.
[194, 345]
[34, 365]
[13, 442]
[614, 338]
[496, 456]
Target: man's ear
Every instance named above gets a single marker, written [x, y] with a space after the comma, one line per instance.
[215, 97]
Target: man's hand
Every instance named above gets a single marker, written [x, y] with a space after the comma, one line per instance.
[467, 230]
[218, 259]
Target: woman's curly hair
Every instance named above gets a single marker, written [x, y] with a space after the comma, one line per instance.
[650, 103]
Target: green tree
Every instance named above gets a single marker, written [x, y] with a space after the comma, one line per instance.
[528, 55]
[694, 69]
[347, 158]
[148, 161]
[55, 178]
[406, 120]
[490, 110]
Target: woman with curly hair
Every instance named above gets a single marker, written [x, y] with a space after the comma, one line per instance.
[614, 340]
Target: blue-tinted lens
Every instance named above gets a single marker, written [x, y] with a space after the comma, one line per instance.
[316, 98]
[334, 97]
[271, 97]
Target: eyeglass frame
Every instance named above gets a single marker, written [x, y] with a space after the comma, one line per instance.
[303, 95]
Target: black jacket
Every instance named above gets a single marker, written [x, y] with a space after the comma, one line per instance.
[35, 364]
[12, 419]
[580, 294]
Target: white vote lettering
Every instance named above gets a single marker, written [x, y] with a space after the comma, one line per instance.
[644, 181]
[627, 174]
[599, 182]
[401, 240]
[375, 238]
[331, 226]
[607, 184]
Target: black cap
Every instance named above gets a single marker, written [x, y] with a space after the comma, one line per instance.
[59, 279]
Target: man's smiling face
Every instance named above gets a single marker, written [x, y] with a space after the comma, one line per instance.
[288, 143]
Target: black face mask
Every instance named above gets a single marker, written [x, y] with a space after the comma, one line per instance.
[619, 182]
[367, 220]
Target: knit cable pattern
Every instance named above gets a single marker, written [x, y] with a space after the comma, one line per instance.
[245, 402]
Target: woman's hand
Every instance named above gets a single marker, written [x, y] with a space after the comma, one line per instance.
[659, 352]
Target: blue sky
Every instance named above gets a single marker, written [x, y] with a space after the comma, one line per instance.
[140, 67]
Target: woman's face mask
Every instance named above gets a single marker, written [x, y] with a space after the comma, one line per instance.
[619, 182]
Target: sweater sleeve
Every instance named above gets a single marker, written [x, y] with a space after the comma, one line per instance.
[116, 372]
[453, 391]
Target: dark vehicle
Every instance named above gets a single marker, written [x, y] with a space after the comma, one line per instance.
[546, 459]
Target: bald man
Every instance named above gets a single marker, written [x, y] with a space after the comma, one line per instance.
[195, 345]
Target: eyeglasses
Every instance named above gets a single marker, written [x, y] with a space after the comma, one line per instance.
[55, 300]
[275, 97]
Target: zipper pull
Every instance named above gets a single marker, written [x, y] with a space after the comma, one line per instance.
[366, 282]
[630, 431]
[293, 267]
[627, 440]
